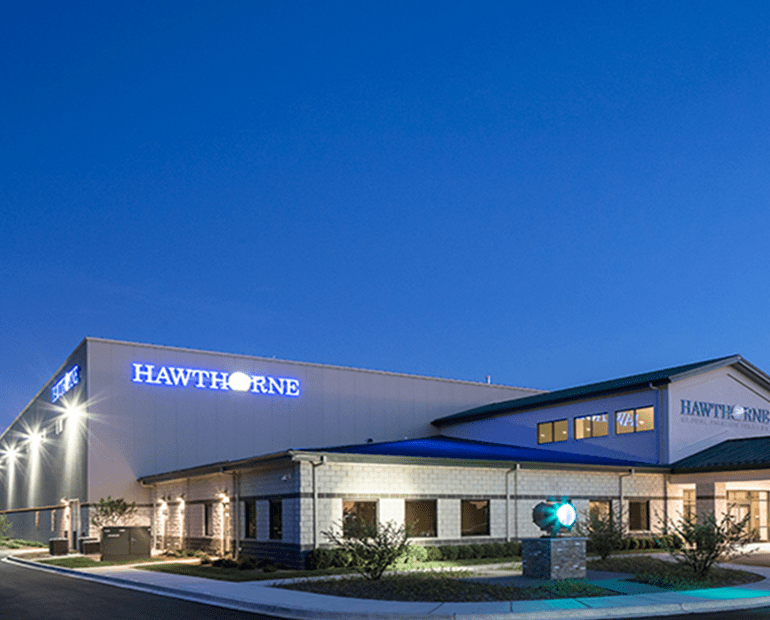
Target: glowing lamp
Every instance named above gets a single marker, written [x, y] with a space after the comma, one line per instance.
[554, 516]
[71, 411]
[239, 382]
[35, 439]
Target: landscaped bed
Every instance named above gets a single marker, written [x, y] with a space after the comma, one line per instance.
[666, 574]
[209, 571]
[445, 587]
[18, 543]
[448, 581]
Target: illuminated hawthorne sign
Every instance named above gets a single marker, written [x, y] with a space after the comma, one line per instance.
[65, 384]
[214, 380]
[725, 412]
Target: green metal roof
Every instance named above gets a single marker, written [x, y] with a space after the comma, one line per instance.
[748, 453]
[624, 384]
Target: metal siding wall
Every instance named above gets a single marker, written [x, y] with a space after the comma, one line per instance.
[142, 429]
[692, 433]
[521, 429]
[59, 469]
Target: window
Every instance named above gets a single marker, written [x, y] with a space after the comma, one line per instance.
[37, 519]
[208, 519]
[639, 515]
[250, 518]
[634, 420]
[421, 515]
[359, 513]
[549, 432]
[276, 519]
[591, 426]
[601, 508]
[688, 504]
[53, 520]
[475, 517]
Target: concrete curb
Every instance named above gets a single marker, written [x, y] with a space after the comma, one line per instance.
[599, 608]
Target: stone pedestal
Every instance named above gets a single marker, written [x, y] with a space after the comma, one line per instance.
[553, 558]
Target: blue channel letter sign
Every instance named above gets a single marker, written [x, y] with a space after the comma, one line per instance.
[201, 379]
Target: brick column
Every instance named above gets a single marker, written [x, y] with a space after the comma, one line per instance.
[710, 497]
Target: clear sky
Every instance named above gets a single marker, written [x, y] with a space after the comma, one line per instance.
[550, 193]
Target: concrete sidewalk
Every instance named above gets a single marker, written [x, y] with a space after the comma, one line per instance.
[257, 596]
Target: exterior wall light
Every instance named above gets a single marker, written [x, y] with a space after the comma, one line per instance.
[35, 439]
[73, 412]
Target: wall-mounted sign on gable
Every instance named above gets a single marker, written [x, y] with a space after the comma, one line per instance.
[70, 379]
[214, 380]
[724, 412]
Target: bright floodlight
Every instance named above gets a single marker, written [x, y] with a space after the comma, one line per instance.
[35, 439]
[554, 515]
[11, 454]
[72, 411]
[566, 515]
[239, 382]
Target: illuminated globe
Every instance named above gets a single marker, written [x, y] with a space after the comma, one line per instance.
[554, 516]
[239, 382]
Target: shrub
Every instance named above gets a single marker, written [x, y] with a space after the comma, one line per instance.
[465, 552]
[224, 563]
[4, 526]
[489, 550]
[416, 553]
[319, 559]
[477, 550]
[433, 554]
[114, 512]
[707, 541]
[248, 563]
[373, 548]
[449, 552]
[604, 533]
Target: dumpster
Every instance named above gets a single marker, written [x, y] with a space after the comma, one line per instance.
[59, 546]
[125, 543]
[90, 546]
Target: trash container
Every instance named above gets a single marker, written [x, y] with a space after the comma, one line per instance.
[89, 546]
[125, 543]
[59, 546]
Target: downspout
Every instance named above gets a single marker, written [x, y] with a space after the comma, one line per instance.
[663, 456]
[620, 490]
[237, 511]
[315, 500]
[515, 471]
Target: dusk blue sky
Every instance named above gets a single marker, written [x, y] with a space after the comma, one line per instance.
[549, 193]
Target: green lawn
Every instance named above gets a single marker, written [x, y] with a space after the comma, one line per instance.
[235, 574]
[80, 561]
[18, 543]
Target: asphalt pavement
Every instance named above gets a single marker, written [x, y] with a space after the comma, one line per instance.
[259, 597]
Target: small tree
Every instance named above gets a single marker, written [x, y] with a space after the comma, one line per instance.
[604, 533]
[4, 526]
[372, 548]
[111, 512]
[707, 541]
